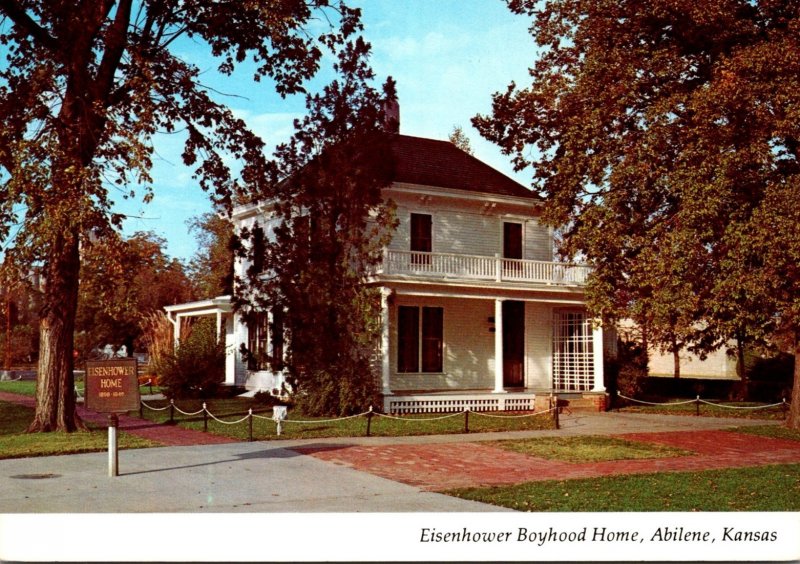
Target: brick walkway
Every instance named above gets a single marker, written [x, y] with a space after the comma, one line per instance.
[438, 467]
[167, 435]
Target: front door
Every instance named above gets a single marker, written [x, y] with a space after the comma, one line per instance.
[513, 344]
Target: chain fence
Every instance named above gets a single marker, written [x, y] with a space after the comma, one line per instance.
[783, 404]
[279, 417]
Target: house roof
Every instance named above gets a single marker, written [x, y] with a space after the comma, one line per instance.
[430, 162]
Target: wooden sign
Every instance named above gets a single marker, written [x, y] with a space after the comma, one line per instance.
[112, 386]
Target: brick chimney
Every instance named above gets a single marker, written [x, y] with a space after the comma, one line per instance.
[391, 110]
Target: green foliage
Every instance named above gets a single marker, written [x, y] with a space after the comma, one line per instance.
[666, 140]
[211, 269]
[123, 281]
[458, 138]
[626, 373]
[330, 224]
[24, 344]
[196, 368]
[79, 123]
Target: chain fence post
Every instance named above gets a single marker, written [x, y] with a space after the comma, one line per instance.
[466, 420]
[205, 418]
[697, 407]
[250, 425]
[369, 420]
[784, 408]
[172, 412]
[141, 409]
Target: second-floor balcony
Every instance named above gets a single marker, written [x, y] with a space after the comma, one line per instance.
[472, 267]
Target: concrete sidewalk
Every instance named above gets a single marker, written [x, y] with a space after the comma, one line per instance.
[259, 477]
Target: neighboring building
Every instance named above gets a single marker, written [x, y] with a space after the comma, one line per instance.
[476, 314]
[717, 365]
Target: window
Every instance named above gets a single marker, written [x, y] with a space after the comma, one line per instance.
[257, 336]
[421, 238]
[265, 342]
[420, 341]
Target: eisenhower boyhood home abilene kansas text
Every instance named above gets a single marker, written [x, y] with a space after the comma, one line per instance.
[476, 314]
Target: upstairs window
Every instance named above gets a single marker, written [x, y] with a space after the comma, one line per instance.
[421, 238]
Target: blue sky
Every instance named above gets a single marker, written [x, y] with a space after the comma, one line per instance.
[447, 56]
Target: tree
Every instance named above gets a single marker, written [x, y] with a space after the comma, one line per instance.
[84, 88]
[211, 268]
[459, 139]
[664, 136]
[328, 228]
[122, 281]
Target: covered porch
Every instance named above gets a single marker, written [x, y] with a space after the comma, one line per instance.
[478, 349]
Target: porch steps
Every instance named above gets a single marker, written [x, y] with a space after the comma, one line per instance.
[582, 403]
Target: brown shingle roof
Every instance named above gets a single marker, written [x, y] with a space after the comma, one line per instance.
[440, 163]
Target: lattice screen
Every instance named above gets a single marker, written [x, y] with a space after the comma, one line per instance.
[573, 352]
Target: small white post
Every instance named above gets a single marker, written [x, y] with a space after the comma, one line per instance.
[113, 452]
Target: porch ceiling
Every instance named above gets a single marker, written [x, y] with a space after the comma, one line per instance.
[553, 295]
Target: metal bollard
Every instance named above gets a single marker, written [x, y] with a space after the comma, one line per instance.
[250, 425]
[113, 451]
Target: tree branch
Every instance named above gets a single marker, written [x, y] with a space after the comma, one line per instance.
[17, 14]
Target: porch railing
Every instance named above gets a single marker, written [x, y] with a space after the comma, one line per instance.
[482, 268]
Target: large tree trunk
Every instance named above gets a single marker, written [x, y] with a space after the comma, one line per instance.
[55, 383]
[793, 422]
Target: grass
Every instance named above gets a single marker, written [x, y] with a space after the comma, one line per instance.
[589, 449]
[763, 488]
[16, 443]
[22, 387]
[724, 409]
[299, 426]
[772, 431]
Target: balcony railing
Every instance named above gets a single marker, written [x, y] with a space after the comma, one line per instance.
[472, 267]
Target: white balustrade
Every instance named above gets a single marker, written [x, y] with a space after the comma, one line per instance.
[474, 267]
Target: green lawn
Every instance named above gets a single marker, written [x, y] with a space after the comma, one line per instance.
[764, 488]
[22, 387]
[16, 443]
[589, 449]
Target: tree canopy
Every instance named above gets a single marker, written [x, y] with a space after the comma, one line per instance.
[211, 268]
[122, 281]
[664, 136]
[326, 230]
[85, 86]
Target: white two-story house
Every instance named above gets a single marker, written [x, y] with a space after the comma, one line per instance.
[475, 312]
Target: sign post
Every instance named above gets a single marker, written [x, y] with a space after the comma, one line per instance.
[112, 387]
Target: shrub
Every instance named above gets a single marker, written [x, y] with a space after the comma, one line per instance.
[196, 368]
[627, 373]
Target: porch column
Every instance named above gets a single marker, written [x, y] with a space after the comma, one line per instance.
[219, 324]
[176, 330]
[597, 358]
[386, 367]
[498, 347]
